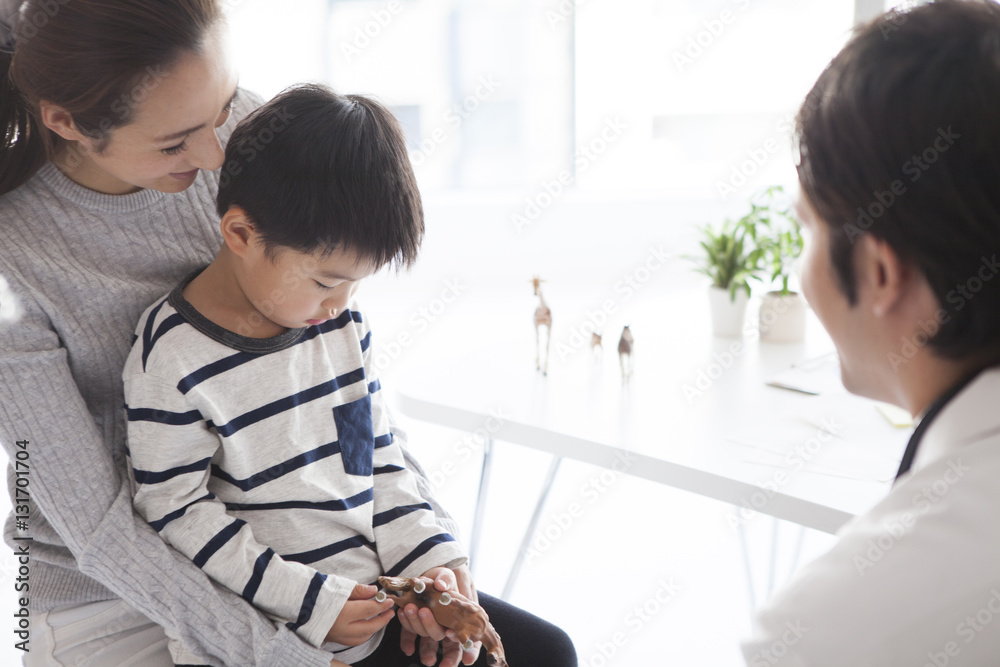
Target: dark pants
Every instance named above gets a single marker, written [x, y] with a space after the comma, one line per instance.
[528, 641]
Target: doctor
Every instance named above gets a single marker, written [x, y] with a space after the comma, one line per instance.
[899, 150]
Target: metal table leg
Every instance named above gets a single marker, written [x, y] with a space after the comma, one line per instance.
[515, 569]
[745, 547]
[477, 521]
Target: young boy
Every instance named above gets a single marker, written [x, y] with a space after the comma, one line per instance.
[259, 441]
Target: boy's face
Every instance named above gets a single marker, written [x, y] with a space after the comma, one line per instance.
[295, 289]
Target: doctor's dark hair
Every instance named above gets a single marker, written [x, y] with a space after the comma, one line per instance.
[899, 139]
[319, 171]
[97, 59]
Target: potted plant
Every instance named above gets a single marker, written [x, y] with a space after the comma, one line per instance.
[782, 311]
[732, 258]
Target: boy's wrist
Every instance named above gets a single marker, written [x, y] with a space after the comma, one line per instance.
[330, 601]
[456, 563]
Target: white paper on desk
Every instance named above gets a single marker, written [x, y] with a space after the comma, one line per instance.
[799, 444]
[856, 419]
[812, 376]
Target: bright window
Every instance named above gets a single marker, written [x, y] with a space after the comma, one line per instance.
[685, 97]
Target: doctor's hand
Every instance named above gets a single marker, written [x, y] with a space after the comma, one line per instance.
[420, 622]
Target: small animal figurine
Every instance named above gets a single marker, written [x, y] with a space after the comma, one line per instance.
[451, 609]
[543, 318]
[625, 353]
[595, 344]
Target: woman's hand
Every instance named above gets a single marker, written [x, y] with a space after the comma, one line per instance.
[360, 618]
[421, 622]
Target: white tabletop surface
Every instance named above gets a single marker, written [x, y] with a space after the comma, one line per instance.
[730, 441]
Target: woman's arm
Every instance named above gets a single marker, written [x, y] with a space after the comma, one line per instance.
[80, 486]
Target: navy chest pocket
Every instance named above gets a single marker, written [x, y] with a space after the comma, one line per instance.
[355, 435]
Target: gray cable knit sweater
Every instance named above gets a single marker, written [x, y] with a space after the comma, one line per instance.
[84, 266]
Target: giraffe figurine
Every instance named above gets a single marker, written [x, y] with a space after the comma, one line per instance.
[625, 353]
[543, 317]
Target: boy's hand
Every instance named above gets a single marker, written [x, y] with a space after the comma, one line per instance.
[421, 622]
[360, 618]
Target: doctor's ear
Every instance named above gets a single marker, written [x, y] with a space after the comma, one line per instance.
[883, 278]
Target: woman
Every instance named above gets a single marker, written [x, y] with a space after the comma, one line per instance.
[115, 114]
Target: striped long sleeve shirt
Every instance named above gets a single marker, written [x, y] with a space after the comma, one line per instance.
[270, 463]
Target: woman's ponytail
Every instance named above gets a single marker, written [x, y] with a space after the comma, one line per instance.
[22, 149]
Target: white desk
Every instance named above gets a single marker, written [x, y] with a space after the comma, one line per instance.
[649, 428]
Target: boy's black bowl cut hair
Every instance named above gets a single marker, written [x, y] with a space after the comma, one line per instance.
[319, 171]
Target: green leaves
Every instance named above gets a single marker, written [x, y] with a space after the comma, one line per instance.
[731, 256]
[767, 240]
[780, 240]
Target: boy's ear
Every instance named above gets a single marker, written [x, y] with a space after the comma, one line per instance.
[238, 232]
[61, 122]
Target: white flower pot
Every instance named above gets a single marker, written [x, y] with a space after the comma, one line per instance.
[727, 315]
[782, 318]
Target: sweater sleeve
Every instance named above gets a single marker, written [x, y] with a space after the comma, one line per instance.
[410, 539]
[171, 448]
[81, 488]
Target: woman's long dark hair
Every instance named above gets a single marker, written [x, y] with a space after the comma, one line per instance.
[97, 59]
